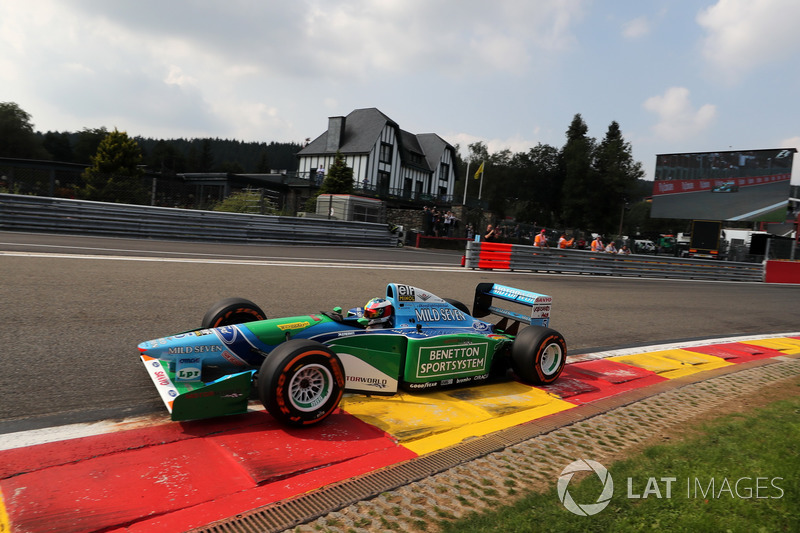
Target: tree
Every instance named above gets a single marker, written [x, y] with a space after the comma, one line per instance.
[538, 185]
[115, 174]
[165, 158]
[206, 162]
[578, 192]
[339, 179]
[263, 163]
[87, 143]
[617, 177]
[17, 138]
[58, 146]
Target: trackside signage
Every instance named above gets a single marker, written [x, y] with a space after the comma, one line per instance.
[449, 361]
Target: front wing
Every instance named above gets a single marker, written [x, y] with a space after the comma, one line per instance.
[227, 395]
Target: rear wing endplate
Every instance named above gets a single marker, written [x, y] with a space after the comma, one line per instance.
[539, 304]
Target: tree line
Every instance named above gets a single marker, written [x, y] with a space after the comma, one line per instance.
[595, 186]
[586, 184]
[172, 156]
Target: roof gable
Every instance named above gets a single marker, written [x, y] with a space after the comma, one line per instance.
[363, 128]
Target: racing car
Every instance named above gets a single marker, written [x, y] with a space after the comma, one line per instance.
[726, 186]
[301, 366]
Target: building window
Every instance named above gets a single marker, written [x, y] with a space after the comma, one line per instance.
[407, 183]
[385, 155]
[383, 183]
[444, 171]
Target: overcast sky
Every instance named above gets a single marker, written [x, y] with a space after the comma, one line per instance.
[677, 75]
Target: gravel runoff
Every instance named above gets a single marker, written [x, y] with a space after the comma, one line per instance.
[535, 464]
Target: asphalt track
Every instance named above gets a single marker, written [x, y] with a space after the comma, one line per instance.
[74, 309]
[748, 203]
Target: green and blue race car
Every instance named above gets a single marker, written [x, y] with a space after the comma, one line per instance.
[301, 366]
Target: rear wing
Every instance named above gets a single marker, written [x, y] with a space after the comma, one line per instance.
[485, 293]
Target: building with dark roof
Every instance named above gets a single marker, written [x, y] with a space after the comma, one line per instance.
[387, 162]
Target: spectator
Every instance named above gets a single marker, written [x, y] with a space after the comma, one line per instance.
[427, 225]
[436, 220]
[490, 234]
[624, 250]
[541, 240]
[449, 219]
[611, 248]
[564, 243]
[597, 244]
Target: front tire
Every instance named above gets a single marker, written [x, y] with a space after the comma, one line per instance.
[538, 355]
[232, 311]
[301, 382]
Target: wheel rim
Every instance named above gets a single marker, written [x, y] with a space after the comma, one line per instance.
[551, 359]
[310, 387]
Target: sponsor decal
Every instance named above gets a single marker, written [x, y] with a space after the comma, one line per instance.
[193, 349]
[378, 383]
[438, 314]
[447, 361]
[420, 386]
[525, 297]
[405, 293]
[227, 334]
[237, 343]
[188, 374]
[162, 378]
[540, 311]
[228, 356]
[293, 325]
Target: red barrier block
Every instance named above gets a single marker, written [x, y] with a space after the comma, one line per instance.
[782, 272]
[495, 255]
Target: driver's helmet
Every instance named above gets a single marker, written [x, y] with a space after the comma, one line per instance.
[378, 310]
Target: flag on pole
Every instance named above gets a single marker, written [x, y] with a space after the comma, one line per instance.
[479, 171]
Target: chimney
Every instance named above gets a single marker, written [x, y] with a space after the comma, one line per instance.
[335, 133]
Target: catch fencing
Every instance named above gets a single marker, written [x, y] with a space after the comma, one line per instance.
[500, 256]
[60, 215]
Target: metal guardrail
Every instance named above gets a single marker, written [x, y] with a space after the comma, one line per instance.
[519, 257]
[59, 215]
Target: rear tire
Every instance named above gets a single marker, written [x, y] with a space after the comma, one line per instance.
[232, 311]
[458, 305]
[538, 355]
[301, 382]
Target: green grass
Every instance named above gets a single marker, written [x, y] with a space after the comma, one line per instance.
[764, 444]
